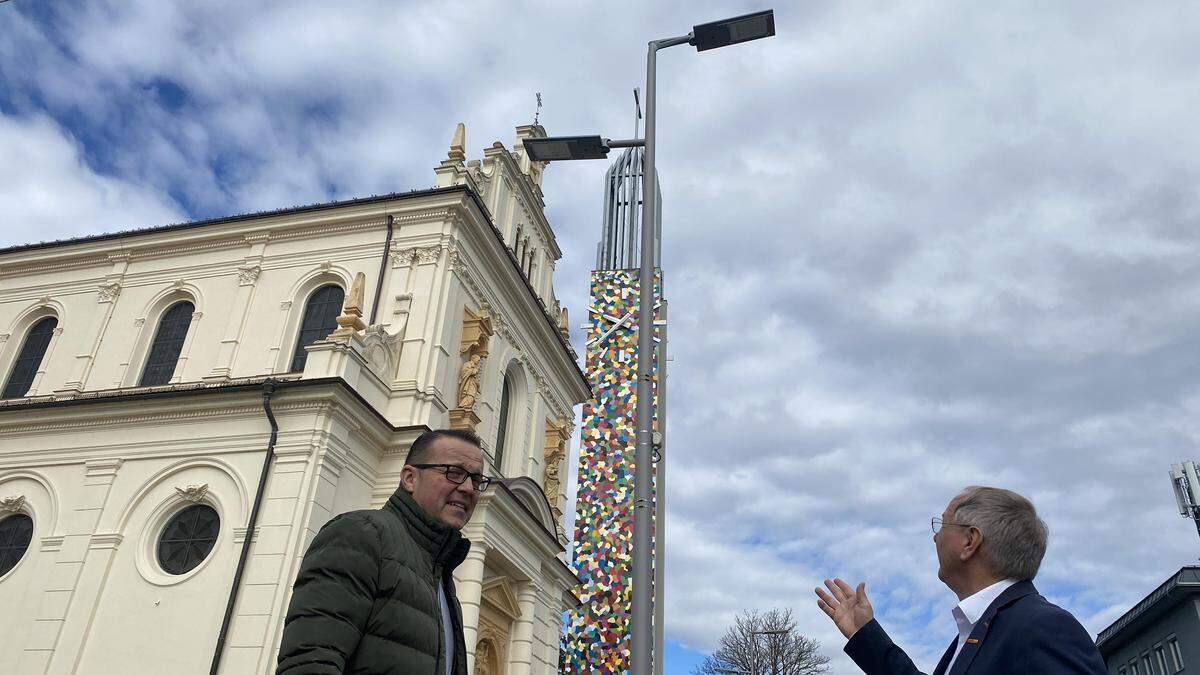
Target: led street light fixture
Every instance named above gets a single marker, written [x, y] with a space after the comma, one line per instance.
[732, 31]
[566, 147]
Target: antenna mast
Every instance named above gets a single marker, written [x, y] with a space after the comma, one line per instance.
[1186, 484]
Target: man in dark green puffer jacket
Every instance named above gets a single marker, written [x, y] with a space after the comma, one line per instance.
[375, 592]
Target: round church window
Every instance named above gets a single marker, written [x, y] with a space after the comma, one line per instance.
[188, 538]
[16, 531]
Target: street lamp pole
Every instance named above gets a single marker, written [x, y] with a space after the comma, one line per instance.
[703, 37]
[641, 629]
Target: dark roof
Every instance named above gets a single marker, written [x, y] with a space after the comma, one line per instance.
[1183, 583]
[231, 219]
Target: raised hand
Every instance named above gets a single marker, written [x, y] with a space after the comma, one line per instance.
[849, 608]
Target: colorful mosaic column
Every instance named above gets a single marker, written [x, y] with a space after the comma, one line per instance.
[598, 631]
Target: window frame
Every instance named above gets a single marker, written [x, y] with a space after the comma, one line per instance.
[504, 419]
[158, 336]
[298, 345]
[28, 545]
[1172, 643]
[20, 356]
[166, 525]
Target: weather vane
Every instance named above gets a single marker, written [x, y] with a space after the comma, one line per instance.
[539, 107]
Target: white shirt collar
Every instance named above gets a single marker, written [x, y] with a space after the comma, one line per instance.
[968, 611]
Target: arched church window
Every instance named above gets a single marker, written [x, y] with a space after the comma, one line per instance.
[30, 358]
[188, 538]
[505, 420]
[168, 343]
[320, 319]
[16, 531]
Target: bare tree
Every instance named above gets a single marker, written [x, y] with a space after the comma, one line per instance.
[765, 643]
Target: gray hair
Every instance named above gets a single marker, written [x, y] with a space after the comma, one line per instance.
[1014, 538]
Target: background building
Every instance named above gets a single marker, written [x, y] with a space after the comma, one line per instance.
[1161, 634]
[163, 384]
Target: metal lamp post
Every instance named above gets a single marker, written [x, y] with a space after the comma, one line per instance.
[703, 37]
[771, 634]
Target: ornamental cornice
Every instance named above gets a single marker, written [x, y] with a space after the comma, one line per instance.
[42, 267]
[108, 420]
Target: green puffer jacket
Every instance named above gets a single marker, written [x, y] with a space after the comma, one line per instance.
[365, 600]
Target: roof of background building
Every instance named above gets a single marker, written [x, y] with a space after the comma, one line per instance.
[1183, 583]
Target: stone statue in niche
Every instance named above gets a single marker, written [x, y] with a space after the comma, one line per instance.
[554, 449]
[468, 382]
[473, 345]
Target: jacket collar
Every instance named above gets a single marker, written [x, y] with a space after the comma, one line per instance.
[446, 546]
[1008, 597]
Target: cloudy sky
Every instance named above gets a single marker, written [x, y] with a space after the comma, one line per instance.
[908, 246]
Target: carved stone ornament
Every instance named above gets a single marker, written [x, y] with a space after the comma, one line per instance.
[477, 333]
[109, 292]
[44, 300]
[402, 257]
[428, 254]
[248, 275]
[4, 337]
[192, 493]
[12, 504]
[285, 305]
[468, 382]
[554, 450]
[351, 320]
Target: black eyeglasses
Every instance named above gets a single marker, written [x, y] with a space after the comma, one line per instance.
[458, 475]
[936, 524]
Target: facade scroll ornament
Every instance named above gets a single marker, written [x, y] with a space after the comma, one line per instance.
[248, 275]
[192, 493]
[108, 292]
[12, 504]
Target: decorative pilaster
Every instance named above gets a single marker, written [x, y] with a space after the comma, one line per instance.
[469, 584]
[106, 297]
[76, 579]
[520, 660]
[236, 324]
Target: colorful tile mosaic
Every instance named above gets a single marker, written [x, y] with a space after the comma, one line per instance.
[597, 638]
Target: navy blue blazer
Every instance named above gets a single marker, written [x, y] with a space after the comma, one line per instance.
[1021, 632]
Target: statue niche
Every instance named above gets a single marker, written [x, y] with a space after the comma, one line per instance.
[473, 348]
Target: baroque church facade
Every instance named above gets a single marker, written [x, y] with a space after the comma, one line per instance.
[164, 387]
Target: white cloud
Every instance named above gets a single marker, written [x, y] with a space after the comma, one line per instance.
[49, 192]
[908, 248]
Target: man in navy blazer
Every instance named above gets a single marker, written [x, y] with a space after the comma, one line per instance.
[990, 543]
